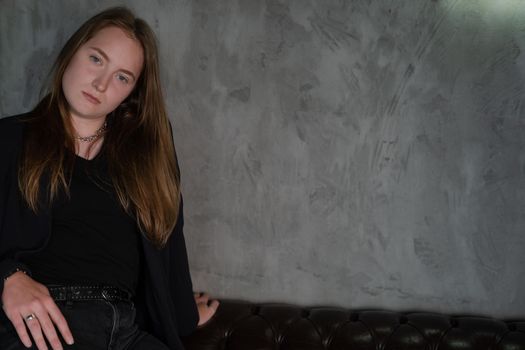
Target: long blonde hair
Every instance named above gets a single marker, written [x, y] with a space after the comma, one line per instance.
[138, 142]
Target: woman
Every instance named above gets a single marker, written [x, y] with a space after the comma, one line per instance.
[91, 245]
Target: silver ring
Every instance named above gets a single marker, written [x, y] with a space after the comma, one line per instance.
[30, 317]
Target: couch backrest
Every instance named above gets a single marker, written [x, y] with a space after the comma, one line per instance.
[244, 326]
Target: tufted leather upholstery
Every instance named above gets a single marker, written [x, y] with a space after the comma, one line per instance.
[245, 326]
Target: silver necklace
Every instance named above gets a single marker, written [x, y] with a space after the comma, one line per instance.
[95, 136]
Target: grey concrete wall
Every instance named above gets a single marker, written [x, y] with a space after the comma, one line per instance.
[354, 153]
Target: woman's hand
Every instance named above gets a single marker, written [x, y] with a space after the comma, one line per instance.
[28, 303]
[206, 308]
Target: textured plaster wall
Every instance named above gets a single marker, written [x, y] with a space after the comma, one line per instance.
[354, 153]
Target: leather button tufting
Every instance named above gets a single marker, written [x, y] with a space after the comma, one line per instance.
[278, 326]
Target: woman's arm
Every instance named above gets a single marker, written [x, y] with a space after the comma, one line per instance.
[25, 302]
[181, 286]
[201, 310]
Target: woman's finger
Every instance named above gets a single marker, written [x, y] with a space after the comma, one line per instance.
[204, 298]
[36, 332]
[48, 329]
[206, 311]
[201, 298]
[21, 330]
[60, 321]
[214, 305]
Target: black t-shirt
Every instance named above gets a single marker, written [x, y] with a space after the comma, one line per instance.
[93, 240]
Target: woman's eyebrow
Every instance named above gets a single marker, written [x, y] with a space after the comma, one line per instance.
[103, 54]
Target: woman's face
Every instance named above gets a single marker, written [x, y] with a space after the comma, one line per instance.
[102, 73]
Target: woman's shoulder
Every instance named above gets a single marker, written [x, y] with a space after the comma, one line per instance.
[12, 130]
[13, 126]
[13, 122]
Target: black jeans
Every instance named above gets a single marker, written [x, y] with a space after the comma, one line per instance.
[96, 325]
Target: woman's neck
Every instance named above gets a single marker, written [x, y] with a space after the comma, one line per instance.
[88, 136]
[85, 127]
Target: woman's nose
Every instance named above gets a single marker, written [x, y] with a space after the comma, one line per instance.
[100, 83]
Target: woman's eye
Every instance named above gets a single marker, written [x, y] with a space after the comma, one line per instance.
[94, 59]
[123, 78]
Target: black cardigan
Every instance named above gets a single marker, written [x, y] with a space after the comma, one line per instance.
[165, 302]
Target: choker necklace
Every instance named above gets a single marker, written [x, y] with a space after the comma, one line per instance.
[95, 136]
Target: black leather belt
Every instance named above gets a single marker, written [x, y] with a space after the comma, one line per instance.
[67, 293]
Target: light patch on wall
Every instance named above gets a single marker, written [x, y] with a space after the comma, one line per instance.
[493, 11]
[501, 8]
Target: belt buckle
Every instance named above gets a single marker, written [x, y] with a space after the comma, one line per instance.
[106, 295]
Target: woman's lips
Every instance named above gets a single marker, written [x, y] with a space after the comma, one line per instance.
[91, 98]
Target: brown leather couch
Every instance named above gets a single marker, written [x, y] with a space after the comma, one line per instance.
[246, 326]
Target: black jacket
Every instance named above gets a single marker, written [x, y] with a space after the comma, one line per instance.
[165, 299]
